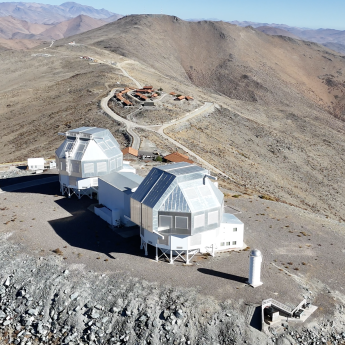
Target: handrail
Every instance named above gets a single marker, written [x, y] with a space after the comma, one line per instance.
[277, 304]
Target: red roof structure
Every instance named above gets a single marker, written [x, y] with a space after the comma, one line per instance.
[131, 151]
[177, 157]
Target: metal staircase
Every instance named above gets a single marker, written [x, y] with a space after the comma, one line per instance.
[284, 308]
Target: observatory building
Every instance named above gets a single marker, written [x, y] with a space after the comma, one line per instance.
[180, 211]
[86, 154]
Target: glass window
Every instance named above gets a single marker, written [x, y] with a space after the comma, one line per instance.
[165, 222]
[222, 244]
[228, 243]
[181, 222]
[234, 243]
[234, 229]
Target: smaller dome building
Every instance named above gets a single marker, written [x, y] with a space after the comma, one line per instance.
[86, 154]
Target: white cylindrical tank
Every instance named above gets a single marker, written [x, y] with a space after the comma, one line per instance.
[255, 268]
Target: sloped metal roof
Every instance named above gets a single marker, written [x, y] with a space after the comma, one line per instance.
[81, 137]
[123, 180]
[230, 219]
[178, 187]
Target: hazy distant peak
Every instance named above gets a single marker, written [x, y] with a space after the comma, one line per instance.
[50, 14]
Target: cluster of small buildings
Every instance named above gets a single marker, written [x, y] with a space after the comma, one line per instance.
[145, 94]
[178, 207]
[181, 97]
[119, 97]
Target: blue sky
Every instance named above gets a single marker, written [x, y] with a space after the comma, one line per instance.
[302, 13]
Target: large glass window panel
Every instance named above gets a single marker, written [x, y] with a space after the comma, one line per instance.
[165, 222]
[181, 222]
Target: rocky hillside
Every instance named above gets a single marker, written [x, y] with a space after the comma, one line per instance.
[240, 63]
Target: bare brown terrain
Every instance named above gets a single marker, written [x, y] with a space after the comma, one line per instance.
[18, 44]
[269, 30]
[278, 129]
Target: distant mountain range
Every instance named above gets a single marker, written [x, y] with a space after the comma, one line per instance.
[51, 14]
[13, 28]
[330, 38]
[21, 20]
[24, 25]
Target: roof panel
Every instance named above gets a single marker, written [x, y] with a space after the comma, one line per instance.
[230, 219]
[123, 180]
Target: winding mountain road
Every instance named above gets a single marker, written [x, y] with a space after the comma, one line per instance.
[159, 128]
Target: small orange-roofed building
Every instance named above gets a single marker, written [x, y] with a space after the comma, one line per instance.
[130, 151]
[177, 157]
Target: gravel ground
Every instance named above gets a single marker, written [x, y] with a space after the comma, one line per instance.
[12, 172]
[40, 222]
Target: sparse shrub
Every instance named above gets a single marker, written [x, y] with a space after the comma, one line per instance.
[236, 196]
[296, 269]
[266, 197]
[290, 263]
[159, 159]
[57, 251]
[303, 263]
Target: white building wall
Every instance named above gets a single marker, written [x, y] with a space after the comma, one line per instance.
[114, 199]
[179, 242]
[36, 163]
[228, 238]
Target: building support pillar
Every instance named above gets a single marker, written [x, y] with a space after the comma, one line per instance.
[156, 253]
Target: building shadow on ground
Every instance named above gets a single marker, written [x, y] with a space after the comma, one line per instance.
[256, 320]
[84, 230]
[31, 184]
[223, 275]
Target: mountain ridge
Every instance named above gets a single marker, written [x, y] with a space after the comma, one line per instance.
[13, 28]
[50, 14]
